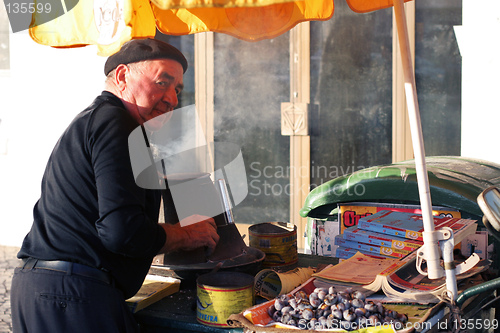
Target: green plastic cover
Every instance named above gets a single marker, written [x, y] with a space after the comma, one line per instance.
[454, 182]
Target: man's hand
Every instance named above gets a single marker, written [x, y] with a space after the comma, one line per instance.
[192, 236]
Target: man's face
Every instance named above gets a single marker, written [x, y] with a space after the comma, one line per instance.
[151, 90]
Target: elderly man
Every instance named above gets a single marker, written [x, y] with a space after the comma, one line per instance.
[95, 232]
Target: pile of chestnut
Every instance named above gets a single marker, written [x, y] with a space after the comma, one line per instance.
[325, 308]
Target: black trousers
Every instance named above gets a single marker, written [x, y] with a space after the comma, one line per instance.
[44, 301]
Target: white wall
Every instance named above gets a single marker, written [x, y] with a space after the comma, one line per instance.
[479, 44]
[44, 89]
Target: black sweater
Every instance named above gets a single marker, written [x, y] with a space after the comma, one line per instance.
[91, 211]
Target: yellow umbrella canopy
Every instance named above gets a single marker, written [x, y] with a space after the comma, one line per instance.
[109, 24]
[364, 6]
[247, 23]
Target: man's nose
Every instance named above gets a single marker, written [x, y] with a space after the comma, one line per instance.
[170, 97]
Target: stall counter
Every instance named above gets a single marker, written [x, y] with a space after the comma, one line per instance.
[177, 312]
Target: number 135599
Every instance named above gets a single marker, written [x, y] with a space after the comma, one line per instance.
[24, 7]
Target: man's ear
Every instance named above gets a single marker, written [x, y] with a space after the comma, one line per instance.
[121, 76]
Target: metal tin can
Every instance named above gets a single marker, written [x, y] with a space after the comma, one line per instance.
[278, 240]
[221, 294]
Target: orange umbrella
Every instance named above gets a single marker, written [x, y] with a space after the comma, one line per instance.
[109, 24]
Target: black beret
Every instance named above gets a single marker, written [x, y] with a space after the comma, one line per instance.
[144, 49]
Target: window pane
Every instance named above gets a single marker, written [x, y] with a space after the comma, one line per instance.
[351, 84]
[438, 73]
[251, 81]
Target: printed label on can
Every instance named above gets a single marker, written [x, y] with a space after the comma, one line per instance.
[278, 242]
[215, 305]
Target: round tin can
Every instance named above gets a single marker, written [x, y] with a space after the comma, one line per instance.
[221, 294]
[278, 240]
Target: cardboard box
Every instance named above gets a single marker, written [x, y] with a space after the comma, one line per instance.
[349, 214]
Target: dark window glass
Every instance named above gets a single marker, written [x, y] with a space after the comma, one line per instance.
[251, 82]
[351, 85]
[438, 74]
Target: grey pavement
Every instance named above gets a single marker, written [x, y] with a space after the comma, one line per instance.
[8, 262]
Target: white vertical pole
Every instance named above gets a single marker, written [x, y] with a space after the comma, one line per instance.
[432, 255]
